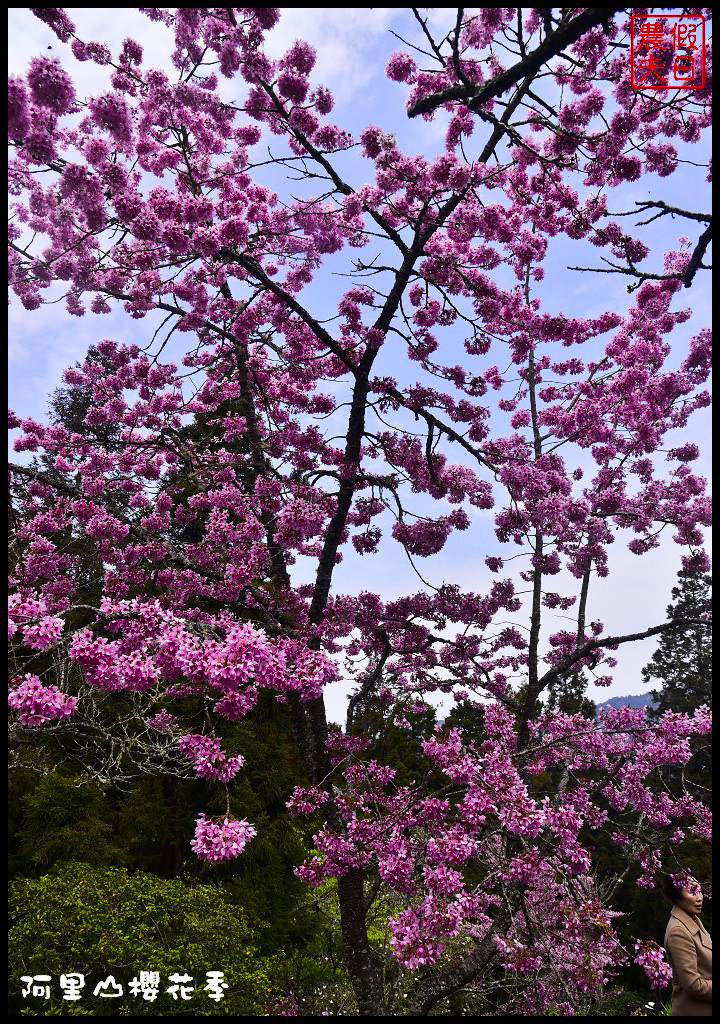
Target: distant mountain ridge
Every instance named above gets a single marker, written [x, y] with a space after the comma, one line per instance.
[638, 700]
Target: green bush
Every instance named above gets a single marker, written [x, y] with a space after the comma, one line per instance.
[105, 921]
[622, 1003]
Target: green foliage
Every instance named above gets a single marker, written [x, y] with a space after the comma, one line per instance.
[469, 719]
[57, 817]
[617, 1003]
[58, 1010]
[108, 921]
[620, 1003]
[61, 820]
[263, 879]
[566, 695]
[391, 744]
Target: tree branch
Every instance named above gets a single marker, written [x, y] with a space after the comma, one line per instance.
[612, 641]
[475, 95]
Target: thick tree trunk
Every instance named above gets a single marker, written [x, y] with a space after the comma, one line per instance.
[363, 974]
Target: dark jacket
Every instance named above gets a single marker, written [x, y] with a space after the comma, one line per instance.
[689, 950]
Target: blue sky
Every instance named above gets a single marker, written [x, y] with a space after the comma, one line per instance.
[353, 46]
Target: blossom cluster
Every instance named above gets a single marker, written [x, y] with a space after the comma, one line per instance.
[38, 704]
[218, 842]
[211, 762]
[40, 629]
[651, 958]
[420, 850]
[163, 722]
[156, 644]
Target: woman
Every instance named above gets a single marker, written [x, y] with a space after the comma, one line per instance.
[689, 949]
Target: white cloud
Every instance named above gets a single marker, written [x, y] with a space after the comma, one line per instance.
[346, 39]
[29, 37]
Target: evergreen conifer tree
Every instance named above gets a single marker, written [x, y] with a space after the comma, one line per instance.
[683, 659]
[683, 665]
[566, 695]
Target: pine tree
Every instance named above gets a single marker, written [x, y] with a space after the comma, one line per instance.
[683, 664]
[683, 659]
[566, 695]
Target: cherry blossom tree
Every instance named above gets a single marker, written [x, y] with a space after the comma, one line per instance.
[291, 433]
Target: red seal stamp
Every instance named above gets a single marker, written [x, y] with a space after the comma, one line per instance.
[668, 51]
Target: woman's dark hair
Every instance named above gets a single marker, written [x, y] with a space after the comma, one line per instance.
[672, 889]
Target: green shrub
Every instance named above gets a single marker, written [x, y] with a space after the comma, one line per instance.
[620, 1003]
[103, 921]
